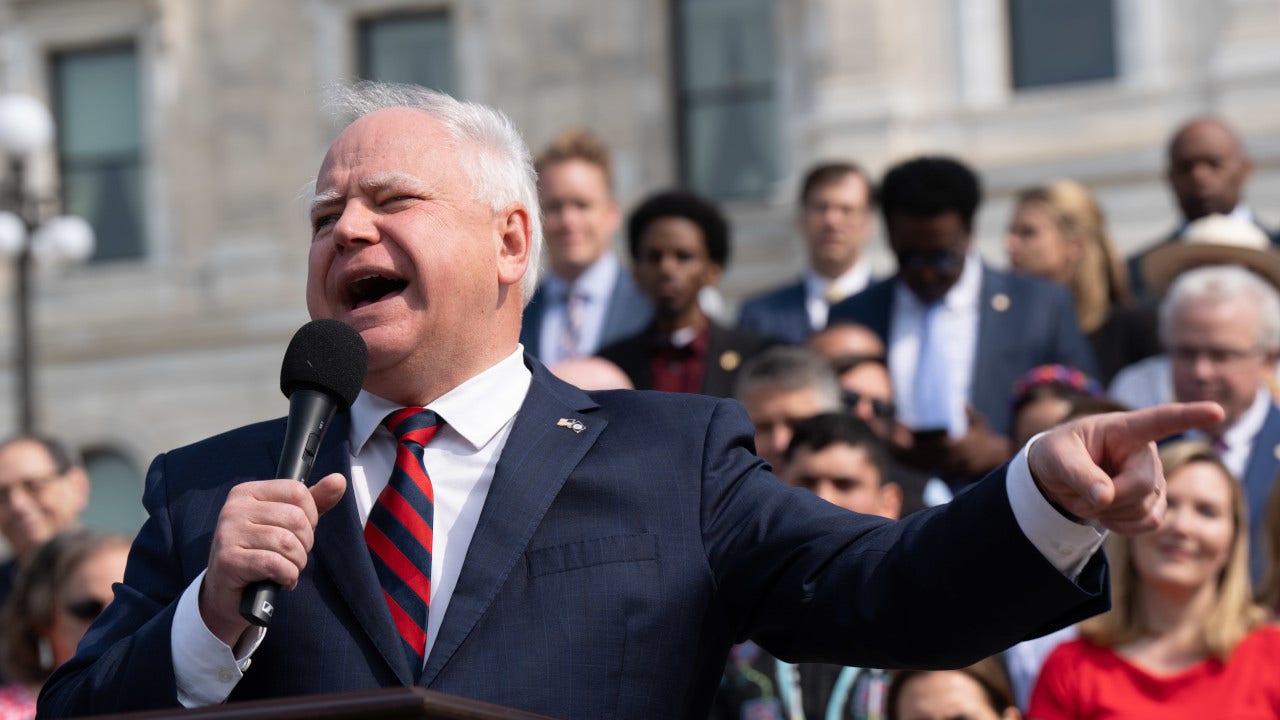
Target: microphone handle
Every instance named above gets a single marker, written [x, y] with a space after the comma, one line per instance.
[310, 413]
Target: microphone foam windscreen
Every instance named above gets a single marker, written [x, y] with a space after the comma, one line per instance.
[328, 356]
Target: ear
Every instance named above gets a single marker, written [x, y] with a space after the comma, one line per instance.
[78, 481]
[891, 500]
[515, 236]
[712, 276]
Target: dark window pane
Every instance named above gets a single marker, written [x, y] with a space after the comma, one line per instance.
[100, 146]
[416, 49]
[1061, 41]
[116, 492]
[727, 113]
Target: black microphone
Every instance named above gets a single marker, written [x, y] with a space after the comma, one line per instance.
[323, 370]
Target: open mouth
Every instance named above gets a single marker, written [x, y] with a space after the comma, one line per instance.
[373, 288]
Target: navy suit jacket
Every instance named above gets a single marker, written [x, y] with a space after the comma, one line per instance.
[610, 572]
[1259, 480]
[1023, 322]
[628, 313]
[780, 314]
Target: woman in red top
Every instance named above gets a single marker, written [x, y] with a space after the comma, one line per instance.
[1183, 638]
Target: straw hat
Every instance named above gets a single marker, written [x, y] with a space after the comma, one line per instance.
[1212, 240]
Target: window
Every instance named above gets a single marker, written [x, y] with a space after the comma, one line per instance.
[97, 111]
[416, 49]
[115, 494]
[1052, 42]
[728, 127]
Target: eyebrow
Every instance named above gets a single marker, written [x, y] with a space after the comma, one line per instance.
[371, 185]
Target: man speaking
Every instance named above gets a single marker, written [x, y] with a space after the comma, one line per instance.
[582, 555]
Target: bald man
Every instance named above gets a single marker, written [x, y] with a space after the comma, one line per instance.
[1208, 168]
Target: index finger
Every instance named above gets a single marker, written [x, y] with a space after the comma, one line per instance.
[1162, 421]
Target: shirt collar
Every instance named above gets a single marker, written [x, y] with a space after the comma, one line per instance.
[1250, 423]
[594, 284]
[849, 282]
[477, 409]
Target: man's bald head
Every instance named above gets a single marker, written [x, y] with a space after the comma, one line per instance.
[1208, 167]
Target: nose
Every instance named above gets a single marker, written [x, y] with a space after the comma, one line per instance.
[826, 491]
[356, 225]
[779, 438]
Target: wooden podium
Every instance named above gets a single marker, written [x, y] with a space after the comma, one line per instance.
[406, 703]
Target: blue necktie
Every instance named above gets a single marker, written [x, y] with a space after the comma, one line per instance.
[932, 386]
[399, 532]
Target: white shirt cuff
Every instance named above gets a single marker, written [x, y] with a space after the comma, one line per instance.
[205, 668]
[1066, 544]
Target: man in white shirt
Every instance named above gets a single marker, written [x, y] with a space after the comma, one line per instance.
[837, 218]
[595, 555]
[1221, 325]
[588, 299]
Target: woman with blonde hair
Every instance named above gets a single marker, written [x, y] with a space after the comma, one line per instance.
[1058, 232]
[1184, 638]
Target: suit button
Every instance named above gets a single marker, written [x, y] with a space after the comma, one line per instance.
[224, 676]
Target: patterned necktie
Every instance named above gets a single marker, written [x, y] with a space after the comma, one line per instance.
[399, 531]
[932, 386]
[571, 335]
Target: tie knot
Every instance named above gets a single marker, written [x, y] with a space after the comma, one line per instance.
[413, 424]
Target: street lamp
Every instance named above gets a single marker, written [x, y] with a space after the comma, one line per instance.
[29, 235]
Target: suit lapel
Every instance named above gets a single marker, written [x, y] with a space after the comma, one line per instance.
[341, 552]
[535, 462]
[988, 369]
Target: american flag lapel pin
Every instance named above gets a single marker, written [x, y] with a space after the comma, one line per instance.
[573, 424]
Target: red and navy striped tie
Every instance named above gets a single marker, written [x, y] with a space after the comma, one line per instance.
[399, 531]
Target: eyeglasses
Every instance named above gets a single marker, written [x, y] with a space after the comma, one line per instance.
[944, 261]
[1214, 355]
[883, 409]
[87, 609]
[32, 487]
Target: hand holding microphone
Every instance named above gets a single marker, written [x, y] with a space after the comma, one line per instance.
[266, 528]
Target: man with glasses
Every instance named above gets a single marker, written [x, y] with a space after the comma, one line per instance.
[837, 218]
[1221, 325]
[43, 491]
[958, 332]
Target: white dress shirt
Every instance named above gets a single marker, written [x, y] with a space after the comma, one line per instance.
[959, 318]
[461, 460]
[595, 285]
[850, 282]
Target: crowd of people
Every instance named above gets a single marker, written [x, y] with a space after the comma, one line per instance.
[882, 396]
[890, 395]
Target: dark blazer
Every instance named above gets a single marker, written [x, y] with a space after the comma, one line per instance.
[727, 350]
[1138, 284]
[1259, 480]
[779, 314]
[1023, 322]
[628, 312]
[610, 571]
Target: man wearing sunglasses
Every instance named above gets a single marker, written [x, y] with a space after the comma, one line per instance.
[958, 332]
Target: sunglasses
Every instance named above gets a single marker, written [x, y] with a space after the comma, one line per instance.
[883, 409]
[87, 609]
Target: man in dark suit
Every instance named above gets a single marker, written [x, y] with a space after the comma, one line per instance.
[1221, 325]
[959, 333]
[591, 555]
[1207, 172]
[679, 245]
[837, 218]
[587, 300]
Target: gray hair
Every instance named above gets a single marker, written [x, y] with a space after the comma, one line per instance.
[788, 368]
[1225, 283]
[495, 157]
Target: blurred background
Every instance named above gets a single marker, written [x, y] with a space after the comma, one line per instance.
[185, 132]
